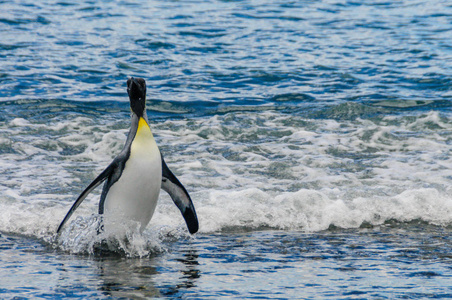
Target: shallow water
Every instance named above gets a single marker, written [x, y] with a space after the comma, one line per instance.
[313, 137]
[390, 261]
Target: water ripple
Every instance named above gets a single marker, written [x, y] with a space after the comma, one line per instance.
[331, 50]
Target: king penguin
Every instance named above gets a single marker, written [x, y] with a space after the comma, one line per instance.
[134, 178]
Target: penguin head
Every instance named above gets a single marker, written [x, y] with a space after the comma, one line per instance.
[136, 88]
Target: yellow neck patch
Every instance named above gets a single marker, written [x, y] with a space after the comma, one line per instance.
[143, 131]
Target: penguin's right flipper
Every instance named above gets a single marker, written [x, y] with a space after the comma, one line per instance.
[180, 196]
[99, 179]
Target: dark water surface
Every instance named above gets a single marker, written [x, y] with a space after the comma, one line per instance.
[313, 136]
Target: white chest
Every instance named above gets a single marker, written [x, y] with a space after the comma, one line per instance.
[134, 196]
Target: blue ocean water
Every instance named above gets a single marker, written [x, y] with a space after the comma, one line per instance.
[314, 138]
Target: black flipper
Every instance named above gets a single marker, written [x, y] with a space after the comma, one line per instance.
[180, 196]
[99, 179]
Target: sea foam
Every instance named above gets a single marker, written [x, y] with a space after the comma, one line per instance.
[244, 171]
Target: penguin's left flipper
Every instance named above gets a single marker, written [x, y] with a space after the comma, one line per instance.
[99, 179]
[180, 196]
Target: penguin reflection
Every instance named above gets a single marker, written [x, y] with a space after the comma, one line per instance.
[140, 278]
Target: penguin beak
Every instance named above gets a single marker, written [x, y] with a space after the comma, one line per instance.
[136, 88]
